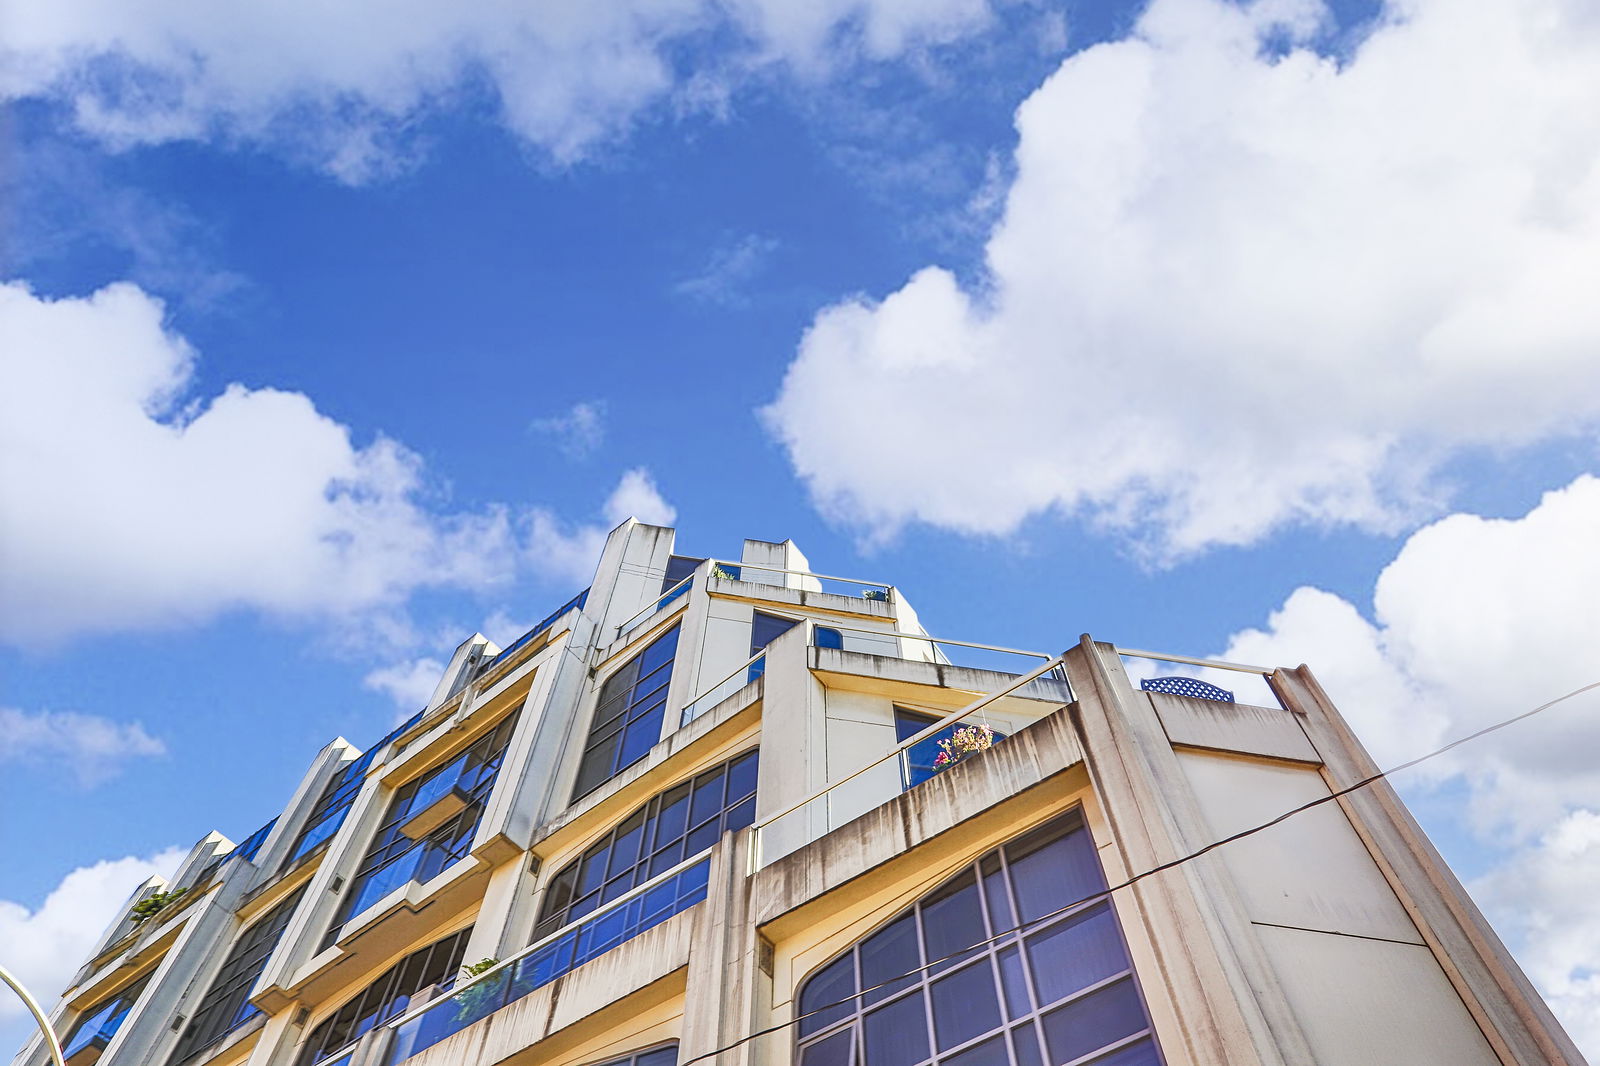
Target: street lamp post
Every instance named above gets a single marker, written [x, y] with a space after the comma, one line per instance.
[38, 1015]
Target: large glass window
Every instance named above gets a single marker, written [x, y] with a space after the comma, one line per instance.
[338, 794]
[97, 1025]
[627, 719]
[395, 859]
[983, 972]
[226, 1005]
[919, 762]
[387, 997]
[676, 825]
[764, 629]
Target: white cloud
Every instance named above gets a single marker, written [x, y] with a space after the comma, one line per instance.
[578, 432]
[1235, 287]
[342, 84]
[560, 548]
[45, 946]
[1476, 620]
[144, 504]
[410, 684]
[92, 747]
[732, 265]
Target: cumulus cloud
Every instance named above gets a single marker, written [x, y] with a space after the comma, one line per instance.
[94, 748]
[137, 502]
[44, 945]
[579, 431]
[1475, 620]
[571, 551]
[1238, 284]
[409, 684]
[343, 85]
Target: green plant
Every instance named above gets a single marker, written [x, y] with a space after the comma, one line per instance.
[477, 1000]
[875, 594]
[152, 905]
[724, 574]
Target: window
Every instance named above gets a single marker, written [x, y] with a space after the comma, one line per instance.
[226, 1005]
[917, 762]
[1052, 990]
[339, 793]
[395, 859]
[824, 637]
[678, 568]
[661, 1056]
[627, 719]
[676, 825]
[94, 1029]
[387, 997]
[764, 629]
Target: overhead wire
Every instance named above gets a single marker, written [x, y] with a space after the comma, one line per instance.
[1095, 897]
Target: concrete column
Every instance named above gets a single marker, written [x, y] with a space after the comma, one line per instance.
[1222, 1000]
[724, 980]
[1511, 1014]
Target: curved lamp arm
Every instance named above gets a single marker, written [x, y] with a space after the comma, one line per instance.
[38, 1015]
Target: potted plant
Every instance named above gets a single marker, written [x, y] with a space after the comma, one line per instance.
[882, 595]
[477, 1000]
[152, 905]
[966, 741]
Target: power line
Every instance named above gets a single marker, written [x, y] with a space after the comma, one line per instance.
[1160, 868]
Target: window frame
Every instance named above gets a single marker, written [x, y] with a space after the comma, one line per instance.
[638, 696]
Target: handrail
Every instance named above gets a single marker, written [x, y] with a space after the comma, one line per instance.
[900, 634]
[803, 573]
[626, 897]
[1215, 664]
[911, 741]
[655, 604]
[743, 667]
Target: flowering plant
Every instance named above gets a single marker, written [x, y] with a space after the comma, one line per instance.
[966, 740]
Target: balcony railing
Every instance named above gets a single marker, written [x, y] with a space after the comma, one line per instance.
[671, 892]
[808, 580]
[505, 656]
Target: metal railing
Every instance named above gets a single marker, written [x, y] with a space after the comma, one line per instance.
[649, 609]
[747, 672]
[504, 970]
[540, 627]
[1262, 692]
[758, 830]
[873, 590]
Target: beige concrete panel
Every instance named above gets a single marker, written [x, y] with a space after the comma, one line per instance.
[793, 748]
[1310, 871]
[1363, 1002]
[1268, 731]
[850, 744]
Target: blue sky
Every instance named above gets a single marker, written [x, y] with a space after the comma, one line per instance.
[1264, 331]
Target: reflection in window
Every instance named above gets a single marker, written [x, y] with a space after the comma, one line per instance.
[226, 1005]
[97, 1025]
[764, 629]
[678, 824]
[917, 763]
[396, 859]
[627, 719]
[387, 997]
[992, 980]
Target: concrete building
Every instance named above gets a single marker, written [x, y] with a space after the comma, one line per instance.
[698, 814]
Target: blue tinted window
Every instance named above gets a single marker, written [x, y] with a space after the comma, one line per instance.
[101, 1022]
[628, 714]
[673, 826]
[825, 637]
[1063, 976]
[394, 858]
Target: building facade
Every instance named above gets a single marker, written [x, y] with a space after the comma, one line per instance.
[701, 813]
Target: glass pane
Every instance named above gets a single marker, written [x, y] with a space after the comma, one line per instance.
[964, 1005]
[660, 653]
[1014, 982]
[1052, 868]
[765, 628]
[1142, 1053]
[674, 815]
[1075, 954]
[597, 765]
[989, 1053]
[828, 638]
[1090, 1023]
[625, 852]
[995, 896]
[896, 1035]
[952, 918]
[887, 954]
[741, 815]
[594, 867]
[707, 798]
[702, 838]
[1025, 1045]
[742, 776]
[641, 736]
[661, 1056]
[833, 982]
[833, 1051]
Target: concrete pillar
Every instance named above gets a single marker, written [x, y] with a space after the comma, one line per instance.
[1222, 1002]
[724, 983]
